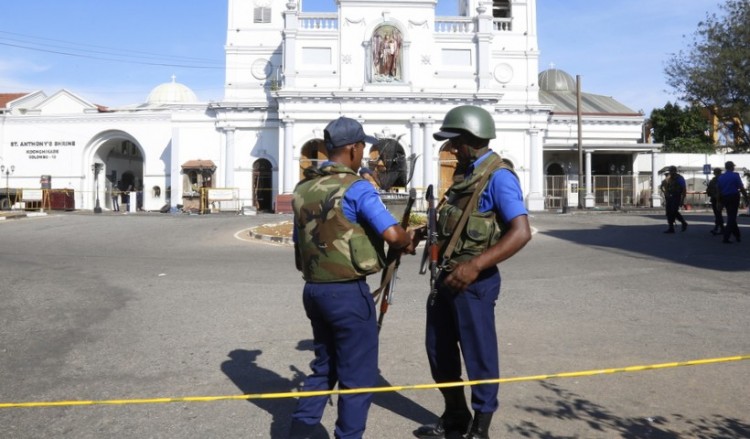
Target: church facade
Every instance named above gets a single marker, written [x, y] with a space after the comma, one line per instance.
[393, 65]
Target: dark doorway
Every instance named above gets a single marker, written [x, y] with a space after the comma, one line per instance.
[263, 185]
[555, 169]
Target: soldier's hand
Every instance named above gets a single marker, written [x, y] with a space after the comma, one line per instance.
[463, 275]
[417, 235]
[413, 242]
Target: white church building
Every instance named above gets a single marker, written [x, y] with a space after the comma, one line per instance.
[393, 65]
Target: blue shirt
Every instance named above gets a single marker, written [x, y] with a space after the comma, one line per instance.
[503, 194]
[730, 183]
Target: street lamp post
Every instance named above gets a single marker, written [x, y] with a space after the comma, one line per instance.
[7, 170]
[97, 167]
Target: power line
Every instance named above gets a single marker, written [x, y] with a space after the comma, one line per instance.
[87, 48]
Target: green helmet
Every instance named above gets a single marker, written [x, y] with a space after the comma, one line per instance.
[475, 120]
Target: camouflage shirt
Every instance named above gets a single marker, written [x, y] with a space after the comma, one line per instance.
[483, 229]
[330, 247]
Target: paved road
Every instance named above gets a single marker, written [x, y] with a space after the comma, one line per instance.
[99, 307]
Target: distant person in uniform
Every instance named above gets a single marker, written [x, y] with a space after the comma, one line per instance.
[114, 193]
[340, 224]
[674, 190]
[712, 190]
[730, 188]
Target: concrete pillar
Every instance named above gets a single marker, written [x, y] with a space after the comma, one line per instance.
[229, 157]
[535, 198]
[655, 196]
[428, 155]
[417, 180]
[590, 200]
[288, 158]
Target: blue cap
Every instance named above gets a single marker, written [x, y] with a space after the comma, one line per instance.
[344, 131]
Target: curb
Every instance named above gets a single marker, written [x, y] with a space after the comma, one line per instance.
[285, 240]
[20, 215]
[11, 216]
[274, 239]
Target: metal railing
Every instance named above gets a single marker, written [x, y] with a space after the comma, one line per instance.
[607, 190]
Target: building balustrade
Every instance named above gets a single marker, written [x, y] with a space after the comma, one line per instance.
[319, 21]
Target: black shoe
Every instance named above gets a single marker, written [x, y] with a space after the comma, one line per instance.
[480, 428]
[726, 241]
[684, 226]
[439, 431]
[669, 230]
[431, 430]
[300, 430]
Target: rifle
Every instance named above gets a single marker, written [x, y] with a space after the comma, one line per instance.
[430, 254]
[388, 279]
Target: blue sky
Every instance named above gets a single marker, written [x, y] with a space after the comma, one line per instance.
[114, 52]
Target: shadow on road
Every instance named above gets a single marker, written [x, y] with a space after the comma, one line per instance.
[564, 405]
[694, 247]
[250, 378]
[242, 368]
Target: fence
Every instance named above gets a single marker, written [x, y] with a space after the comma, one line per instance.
[607, 190]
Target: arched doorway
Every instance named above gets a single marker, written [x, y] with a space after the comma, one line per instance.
[122, 162]
[313, 153]
[263, 185]
[448, 164]
[555, 169]
[556, 187]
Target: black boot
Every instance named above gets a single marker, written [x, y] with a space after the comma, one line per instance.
[454, 422]
[480, 428]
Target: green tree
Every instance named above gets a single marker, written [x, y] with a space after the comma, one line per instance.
[681, 130]
[714, 72]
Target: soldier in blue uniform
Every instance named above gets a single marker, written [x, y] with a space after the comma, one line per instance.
[340, 224]
[674, 189]
[730, 187]
[461, 316]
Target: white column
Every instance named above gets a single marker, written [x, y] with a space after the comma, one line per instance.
[427, 154]
[590, 200]
[175, 179]
[483, 40]
[291, 26]
[535, 199]
[229, 157]
[288, 159]
[655, 197]
[417, 180]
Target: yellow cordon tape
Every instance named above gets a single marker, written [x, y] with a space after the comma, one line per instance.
[374, 389]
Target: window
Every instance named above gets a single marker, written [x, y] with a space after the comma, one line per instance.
[501, 9]
[262, 14]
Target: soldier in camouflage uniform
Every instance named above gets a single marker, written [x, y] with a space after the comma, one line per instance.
[461, 315]
[674, 189]
[340, 225]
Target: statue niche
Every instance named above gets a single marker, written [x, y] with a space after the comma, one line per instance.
[386, 54]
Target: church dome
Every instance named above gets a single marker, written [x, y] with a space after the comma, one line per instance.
[171, 93]
[556, 80]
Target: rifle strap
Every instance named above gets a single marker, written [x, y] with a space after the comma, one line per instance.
[465, 217]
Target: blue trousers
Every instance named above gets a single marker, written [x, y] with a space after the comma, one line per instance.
[673, 210]
[345, 337]
[732, 204]
[463, 324]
